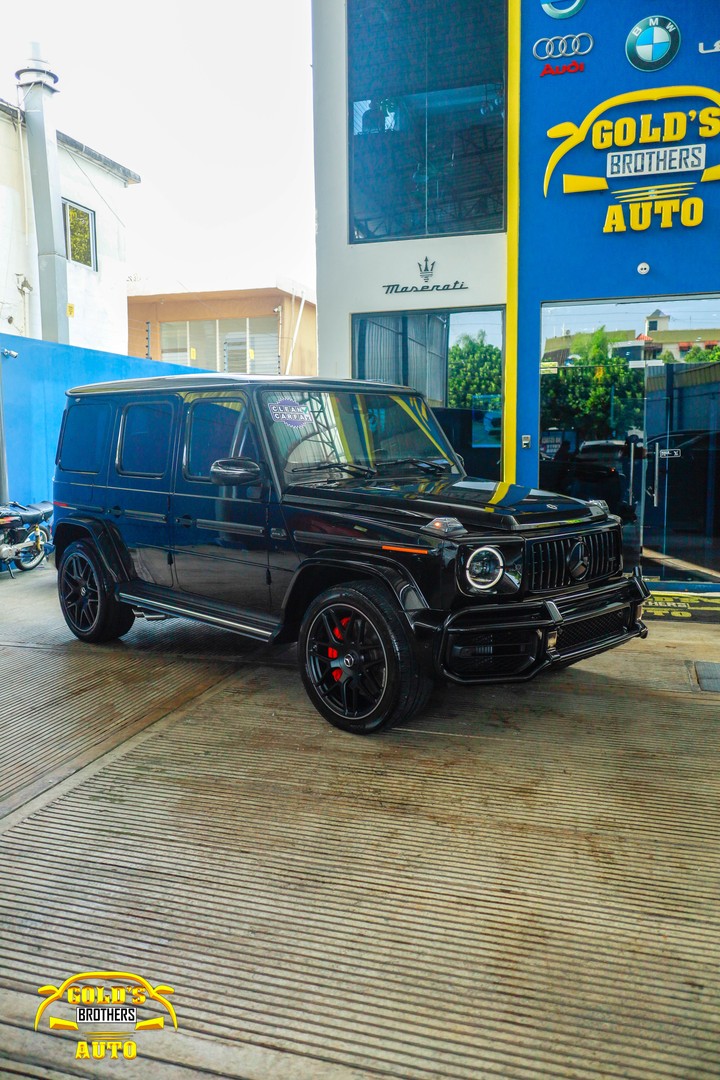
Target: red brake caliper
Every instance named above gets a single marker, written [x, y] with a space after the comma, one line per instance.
[333, 653]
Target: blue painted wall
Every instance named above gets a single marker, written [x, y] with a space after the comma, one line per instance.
[34, 388]
[618, 166]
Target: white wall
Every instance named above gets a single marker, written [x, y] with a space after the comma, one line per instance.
[350, 277]
[99, 296]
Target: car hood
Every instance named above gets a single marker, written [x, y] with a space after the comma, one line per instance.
[480, 505]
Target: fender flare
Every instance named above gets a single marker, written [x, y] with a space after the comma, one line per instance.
[319, 572]
[106, 539]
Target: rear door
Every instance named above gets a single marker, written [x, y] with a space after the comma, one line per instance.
[220, 533]
[138, 491]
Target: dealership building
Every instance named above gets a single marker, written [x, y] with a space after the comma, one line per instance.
[512, 199]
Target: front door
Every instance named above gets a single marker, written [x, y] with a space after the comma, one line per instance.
[220, 533]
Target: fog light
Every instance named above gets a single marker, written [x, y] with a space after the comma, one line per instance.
[552, 639]
[639, 611]
[484, 568]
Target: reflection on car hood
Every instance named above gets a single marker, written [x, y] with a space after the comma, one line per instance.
[478, 504]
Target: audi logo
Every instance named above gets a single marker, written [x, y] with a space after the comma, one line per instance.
[570, 45]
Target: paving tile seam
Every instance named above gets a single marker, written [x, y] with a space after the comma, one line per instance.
[605, 903]
[533, 1005]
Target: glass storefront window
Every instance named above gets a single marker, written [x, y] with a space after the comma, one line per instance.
[630, 413]
[455, 359]
[426, 104]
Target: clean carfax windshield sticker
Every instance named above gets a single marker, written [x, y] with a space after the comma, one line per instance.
[108, 1009]
[291, 413]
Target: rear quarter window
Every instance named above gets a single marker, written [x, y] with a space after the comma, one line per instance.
[84, 437]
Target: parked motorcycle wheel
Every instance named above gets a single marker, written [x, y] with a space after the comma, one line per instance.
[31, 557]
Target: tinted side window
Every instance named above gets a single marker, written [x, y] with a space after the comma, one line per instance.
[145, 441]
[85, 437]
[217, 429]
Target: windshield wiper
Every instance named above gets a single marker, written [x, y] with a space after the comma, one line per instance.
[348, 466]
[422, 463]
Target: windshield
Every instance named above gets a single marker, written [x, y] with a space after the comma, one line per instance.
[337, 434]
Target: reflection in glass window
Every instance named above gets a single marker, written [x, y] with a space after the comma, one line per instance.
[454, 358]
[426, 117]
[217, 429]
[79, 234]
[84, 436]
[629, 414]
[242, 346]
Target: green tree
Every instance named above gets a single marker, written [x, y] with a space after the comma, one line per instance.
[595, 394]
[474, 367]
[700, 355]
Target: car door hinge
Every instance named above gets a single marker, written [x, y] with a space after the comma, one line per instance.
[268, 577]
[170, 558]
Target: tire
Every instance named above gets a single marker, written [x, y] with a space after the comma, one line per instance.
[86, 599]
[358, 659]
[31, 557]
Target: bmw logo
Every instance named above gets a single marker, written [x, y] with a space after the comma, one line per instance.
[652, 43]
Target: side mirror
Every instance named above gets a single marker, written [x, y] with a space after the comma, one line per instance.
[230, 472]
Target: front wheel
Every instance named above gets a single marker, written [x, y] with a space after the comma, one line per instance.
[86, 598]
[31, 557]
[358, 659]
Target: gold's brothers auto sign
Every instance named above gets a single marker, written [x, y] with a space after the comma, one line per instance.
[652, 159]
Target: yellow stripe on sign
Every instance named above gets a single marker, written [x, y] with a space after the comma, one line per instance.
[508, 452]
[573, 184]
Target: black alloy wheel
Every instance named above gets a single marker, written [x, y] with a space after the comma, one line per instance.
[358, 659]
[31, 557]
[86, 599]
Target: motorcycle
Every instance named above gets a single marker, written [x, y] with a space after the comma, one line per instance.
[25, 535]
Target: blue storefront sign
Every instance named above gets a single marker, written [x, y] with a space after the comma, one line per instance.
[619, 163]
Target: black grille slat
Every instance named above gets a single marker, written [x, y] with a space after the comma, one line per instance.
[572, 635]
[548, 559]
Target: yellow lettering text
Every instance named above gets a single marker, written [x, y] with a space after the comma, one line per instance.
[674, 127]
[602, 134]
[614, 220]
[666, 208]
[640, 216]
[648, 134]
[625, 131]
[73, 995]
[81, 1050]
[692, 212]
[709, 123]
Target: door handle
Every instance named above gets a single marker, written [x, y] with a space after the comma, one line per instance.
[186, 521]
[116, 511]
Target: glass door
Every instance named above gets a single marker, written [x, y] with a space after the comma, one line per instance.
[630, 414]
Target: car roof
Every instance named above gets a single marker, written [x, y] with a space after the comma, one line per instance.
[213, 380]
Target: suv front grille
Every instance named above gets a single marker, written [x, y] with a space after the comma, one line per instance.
[548, 559]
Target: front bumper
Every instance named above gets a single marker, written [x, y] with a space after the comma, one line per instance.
[515, 642]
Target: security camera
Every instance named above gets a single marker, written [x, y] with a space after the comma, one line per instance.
[10, 352]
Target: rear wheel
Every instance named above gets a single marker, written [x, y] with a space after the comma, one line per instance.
[31, 557]
[358, 659]
[86, 598]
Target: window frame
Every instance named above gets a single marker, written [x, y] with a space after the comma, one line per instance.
[211, 398]
[67, 205]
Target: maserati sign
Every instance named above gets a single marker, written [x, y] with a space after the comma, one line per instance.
[427, 270]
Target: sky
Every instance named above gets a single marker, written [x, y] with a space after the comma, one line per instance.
[211, 104]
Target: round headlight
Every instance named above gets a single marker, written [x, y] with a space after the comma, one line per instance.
[484, 568]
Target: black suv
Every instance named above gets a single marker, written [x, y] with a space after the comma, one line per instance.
[335, 514]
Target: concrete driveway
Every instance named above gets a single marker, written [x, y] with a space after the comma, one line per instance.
[522, 883]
